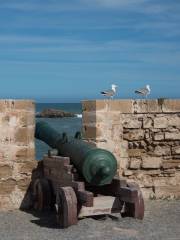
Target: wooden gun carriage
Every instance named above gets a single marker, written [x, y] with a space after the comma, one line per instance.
[87, 189]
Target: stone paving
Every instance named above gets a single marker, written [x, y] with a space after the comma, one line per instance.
[162, 221]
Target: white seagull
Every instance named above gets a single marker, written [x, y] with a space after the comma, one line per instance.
[144, 91]
[110, 93]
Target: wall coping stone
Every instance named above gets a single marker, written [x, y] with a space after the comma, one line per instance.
[133, 105]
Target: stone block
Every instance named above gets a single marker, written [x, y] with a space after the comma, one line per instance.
[171, 164]
[147, 123]
[25, 153]
[24, 135]
[135, 152]
[176, 150]
[5, 170]
[7, 186]
[132, 122]
[135, 163]
[25, 105]
[26, 167]
[94, 105]
[134, 135]
[116, 118]
[88, 106]
[24, 183]
[122, 106]
[167, 192]
[162, 151]
[149, 162]
[161, 122]
[26, 119]
[172, 135]
[92, 132]
[167, 121]
[147, 106]
[158, 136]
[91, 118]
[153, 173]
[171, 105]
[127, 173]
[4, 105]
[116, 132]
[101, 105]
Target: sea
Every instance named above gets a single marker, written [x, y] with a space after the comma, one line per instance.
[69, 125]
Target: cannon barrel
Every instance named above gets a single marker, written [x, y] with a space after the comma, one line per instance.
[97, 166]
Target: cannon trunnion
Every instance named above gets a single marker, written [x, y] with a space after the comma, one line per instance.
[76, 190]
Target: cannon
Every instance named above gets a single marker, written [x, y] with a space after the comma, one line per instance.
[98, 166]
[78, 180]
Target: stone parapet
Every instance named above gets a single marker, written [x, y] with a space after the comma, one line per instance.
[144, 135]
[17, 152]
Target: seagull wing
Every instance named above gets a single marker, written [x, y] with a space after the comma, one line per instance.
[108, 93]
[142, 91]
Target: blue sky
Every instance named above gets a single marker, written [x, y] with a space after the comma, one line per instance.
[68, 50]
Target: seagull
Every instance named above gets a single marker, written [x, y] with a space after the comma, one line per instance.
[110, 93]
[144, 91]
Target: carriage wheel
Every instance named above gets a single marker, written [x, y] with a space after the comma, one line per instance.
[135, 209]
[42, 194]
[66, 202]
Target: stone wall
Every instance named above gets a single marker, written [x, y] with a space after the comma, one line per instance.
[144, 135]
[17, 155]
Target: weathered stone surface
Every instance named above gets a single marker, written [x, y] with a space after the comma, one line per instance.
[7, 186]
[24, 135]
[16, 146]
[162, 151]
[5, 170]
[92, 132]
[167, 121]
[23, 183]
[91, 117]
[132, 122]
[26, 119]
[101, 105]
[176, 150]
[171, 105]
[171, 164]
[167, 192]
[159, 136]
[134, 135]
[172, 135]
[147, 106]
[4, 105]
[90, 106]
[25, 153]
[151, 162]
[122, 106]
[26, 167]
[147, 122]
[161, 122]
[135, 152]
[154, 172]
[26, 105]
[151, 133]
[127, 173]
[135, 163]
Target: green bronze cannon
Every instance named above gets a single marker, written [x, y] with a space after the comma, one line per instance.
[97, 166]
[78, 180]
